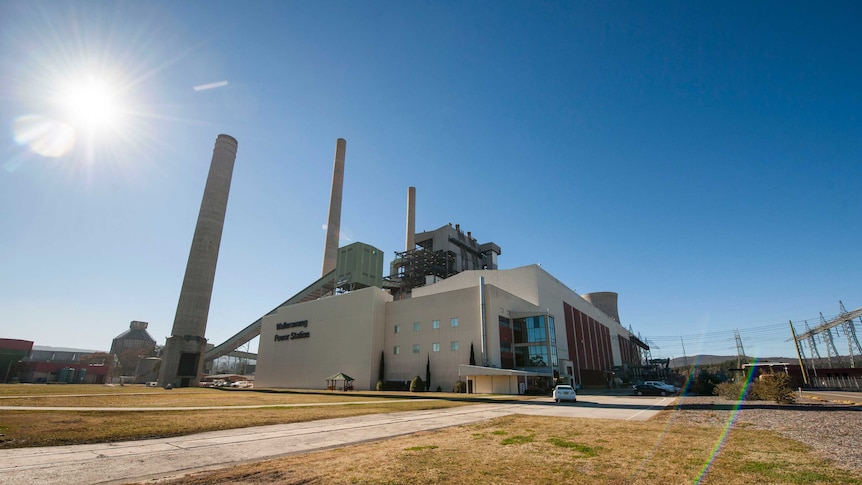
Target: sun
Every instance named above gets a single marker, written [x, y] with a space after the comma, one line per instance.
[91, 102]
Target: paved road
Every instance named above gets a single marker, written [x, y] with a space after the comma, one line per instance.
[838, 396]
[124, 462]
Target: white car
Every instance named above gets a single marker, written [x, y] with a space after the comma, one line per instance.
[661, 385]
[565, 393]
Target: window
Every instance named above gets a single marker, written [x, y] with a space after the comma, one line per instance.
[415, 326]
[435, 324]
[396, 350]
[533, 330]
[435, 347]
[415, 348]
[397, 328]
[454, 321]
[454, 345]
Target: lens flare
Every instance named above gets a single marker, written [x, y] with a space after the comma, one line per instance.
[44, 136]
[724, 432]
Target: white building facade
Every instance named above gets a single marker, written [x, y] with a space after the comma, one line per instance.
[524, 328]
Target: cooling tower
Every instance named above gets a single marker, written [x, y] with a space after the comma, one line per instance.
[182, 358]
[606, 301]
[333, 225]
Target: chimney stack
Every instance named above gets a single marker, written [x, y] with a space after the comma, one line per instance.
[183, 356]
[333, 225]
[411, 219]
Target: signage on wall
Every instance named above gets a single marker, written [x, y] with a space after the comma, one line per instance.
[292, 335]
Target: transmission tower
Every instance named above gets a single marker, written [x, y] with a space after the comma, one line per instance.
[850, 333]
[647, 354]
[740, 351]
[812, 346]
[831, 350]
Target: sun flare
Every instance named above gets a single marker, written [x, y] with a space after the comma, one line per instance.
[92, 102]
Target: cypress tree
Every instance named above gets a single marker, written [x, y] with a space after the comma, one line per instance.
[472, 355]
[428, 374]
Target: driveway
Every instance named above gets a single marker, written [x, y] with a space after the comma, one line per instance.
[129, 461]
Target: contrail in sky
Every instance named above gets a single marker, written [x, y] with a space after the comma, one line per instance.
[204, 87]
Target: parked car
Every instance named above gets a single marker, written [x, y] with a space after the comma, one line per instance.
[565, 393]
[663, 385]
[650, 390]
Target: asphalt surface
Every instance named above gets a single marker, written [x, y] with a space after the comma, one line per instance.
[835, 396]
[131, 461]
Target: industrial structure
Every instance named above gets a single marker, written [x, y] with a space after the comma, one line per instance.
[182, 358]
[443, 302]
[339, 271]
[45, 364]
[833, 370]
[135, 338]
[12, 351]
[437, 255]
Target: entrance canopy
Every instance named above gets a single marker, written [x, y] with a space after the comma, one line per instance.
[478, 370]
[492, 380]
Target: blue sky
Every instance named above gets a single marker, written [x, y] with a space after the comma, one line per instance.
[700, 159]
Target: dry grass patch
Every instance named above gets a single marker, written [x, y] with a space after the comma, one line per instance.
[537, 450]
[141, 396]
[41, 389]
[47, 428]
[91, 395]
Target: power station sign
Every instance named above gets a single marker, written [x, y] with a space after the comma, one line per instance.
[292, 335]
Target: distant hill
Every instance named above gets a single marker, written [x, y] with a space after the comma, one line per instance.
[678, 362]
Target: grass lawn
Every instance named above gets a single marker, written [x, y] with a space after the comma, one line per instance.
[47, 428]
[535, 450]
[141, 396]
[509, 450]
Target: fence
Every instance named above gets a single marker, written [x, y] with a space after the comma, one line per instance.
[843, 383]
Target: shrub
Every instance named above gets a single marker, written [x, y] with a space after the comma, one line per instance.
[416, 385]
[381, 386]
[704, 384]
[767, 387]
[773, 387]
[730, 390]
[460, 387]
[439, 389]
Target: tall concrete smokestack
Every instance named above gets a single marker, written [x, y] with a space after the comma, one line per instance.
[333, 225]
[182, 358]
[411, 219]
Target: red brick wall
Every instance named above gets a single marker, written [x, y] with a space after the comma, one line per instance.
[589, 345]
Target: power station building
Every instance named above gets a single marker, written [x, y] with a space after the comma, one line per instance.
[445, 310]
[498, 331]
